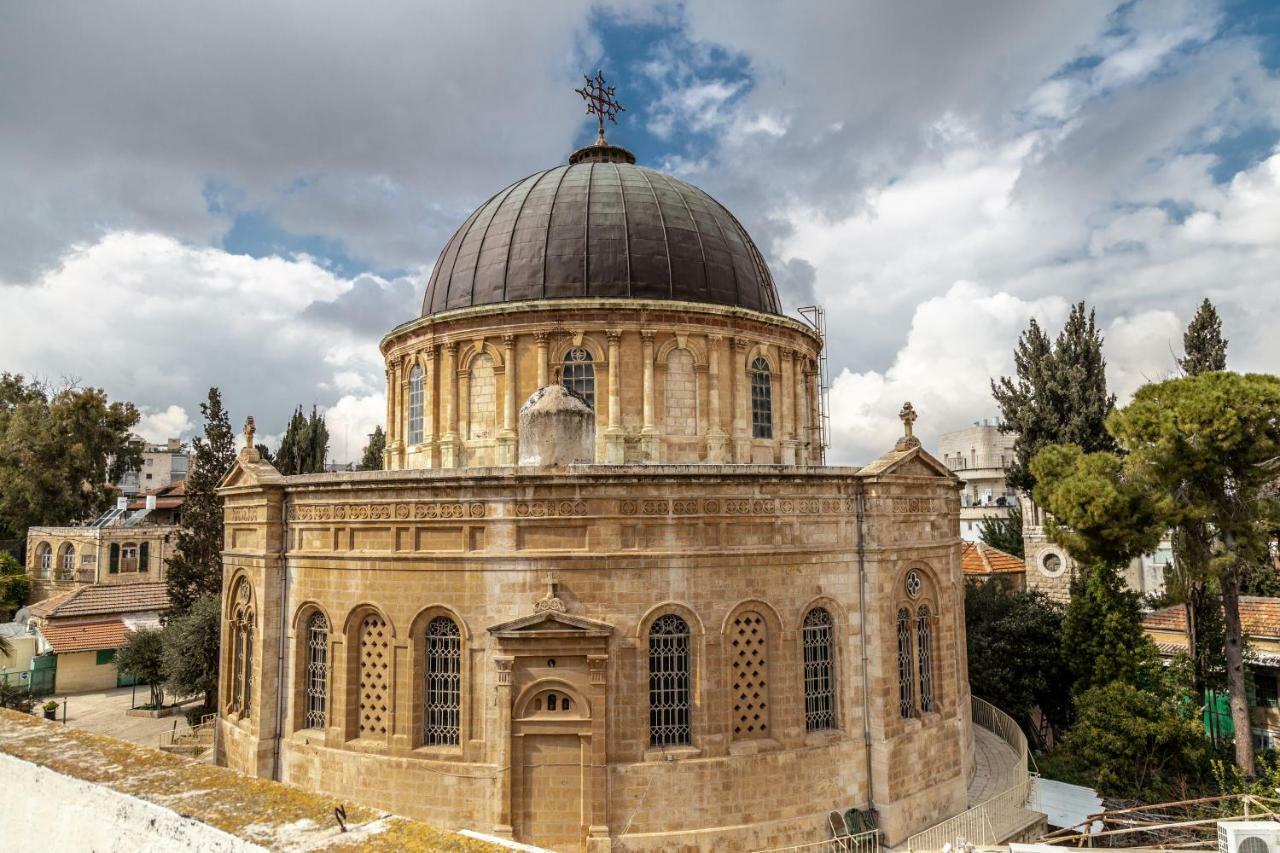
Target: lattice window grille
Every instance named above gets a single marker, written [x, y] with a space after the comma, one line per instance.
[669, 693]
[317, 670]
[579, 374]
[819, 671]
[924, 650]
[906, 667]
[761, 399]
[749, 648]
[415, 405]
[442, 720]
[237, 659]
[375, 677]
[248, 661]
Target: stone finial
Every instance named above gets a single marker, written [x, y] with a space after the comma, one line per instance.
[557, 427]
[249, 453]
[551, 601]
[249, 430]
[908, 417]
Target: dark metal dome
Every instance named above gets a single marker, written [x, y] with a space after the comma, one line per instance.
[601, 227]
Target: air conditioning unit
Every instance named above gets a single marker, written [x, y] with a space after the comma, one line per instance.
[1248, 836]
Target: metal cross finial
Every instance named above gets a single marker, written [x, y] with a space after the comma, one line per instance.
[600, 103]
[908, 416]
[248, 432]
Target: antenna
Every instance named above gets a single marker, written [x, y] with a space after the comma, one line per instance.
[816, 317]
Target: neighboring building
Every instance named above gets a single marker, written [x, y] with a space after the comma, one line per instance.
[82, 629]
[15, 668]
[1260, 621]
[162, 465]
[639, 615]
[1145, 575]
[1049, 567]
[980, 455]
[128, 544]
[981, 563]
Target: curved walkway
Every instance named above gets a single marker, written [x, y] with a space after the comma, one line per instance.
[998, 766]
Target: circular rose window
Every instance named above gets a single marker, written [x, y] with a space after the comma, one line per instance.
[913, 583]
[1051, 563]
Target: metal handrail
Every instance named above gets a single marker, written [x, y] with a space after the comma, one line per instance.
[983, 823]
[862, 842]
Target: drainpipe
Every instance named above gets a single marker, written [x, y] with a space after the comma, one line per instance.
[284, 623]
[860, 509]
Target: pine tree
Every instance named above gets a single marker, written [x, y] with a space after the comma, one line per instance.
[318, 443]
[1205, 347]
[372, 458]
[1059, 395]
[195, 569]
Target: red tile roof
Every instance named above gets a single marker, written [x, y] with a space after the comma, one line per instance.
[979, 558]
[1260, 617]
[103, 599]
[42, 607]
[85, 637]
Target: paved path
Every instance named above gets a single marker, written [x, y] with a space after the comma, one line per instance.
[102, 712]
[997, 766]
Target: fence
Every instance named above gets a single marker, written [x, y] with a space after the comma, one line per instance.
[985, 823]
[862, 842]
[191, 738]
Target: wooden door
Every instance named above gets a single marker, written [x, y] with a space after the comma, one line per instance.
[551, 807]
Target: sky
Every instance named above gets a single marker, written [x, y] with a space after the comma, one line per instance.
[250, 195]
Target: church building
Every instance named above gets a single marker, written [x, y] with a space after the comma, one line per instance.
[606, 594]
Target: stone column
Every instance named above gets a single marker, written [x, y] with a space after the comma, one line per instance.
[741, 401]
[802, 409]
[502, 745]
[649, 436]
[429, 402]
[613, 434]
[449, 393]
[789, 381]
[393, 421]
[597, 811]
[464, 411]
[507, 438]
[542, 339]
[717, 441]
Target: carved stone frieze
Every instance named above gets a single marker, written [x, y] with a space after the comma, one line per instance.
[388, 511]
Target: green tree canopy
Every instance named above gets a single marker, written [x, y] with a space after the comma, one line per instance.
[195, 568]
[1206, 349]
[373, 451]
[1004, 533]
[60, 453]
[1058, 394]
[15, 585]
[1015, 650]
[191, 649]
[142, 657]
[1102, 635]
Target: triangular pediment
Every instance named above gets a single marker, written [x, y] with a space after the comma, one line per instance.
[249, 471]
[551, 623]
[912, 462]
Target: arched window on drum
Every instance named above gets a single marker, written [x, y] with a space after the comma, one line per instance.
[442, 717]
[317, 701]
[761, 399]
[578, 374]
[415, 405]
[819, 671]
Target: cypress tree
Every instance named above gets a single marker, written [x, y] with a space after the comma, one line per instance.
[1205, 347]
[1058, 395]
[372, 457]
[317, 442]
[195, 569]
[295, 446]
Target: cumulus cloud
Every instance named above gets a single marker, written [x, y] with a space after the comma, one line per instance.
[159, 426]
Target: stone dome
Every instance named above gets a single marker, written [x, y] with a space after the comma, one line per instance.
[601, 226]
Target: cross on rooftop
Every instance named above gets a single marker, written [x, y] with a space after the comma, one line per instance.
[600, 102]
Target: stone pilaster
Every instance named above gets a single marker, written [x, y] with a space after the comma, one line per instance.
[613, 435]
[741, 401]
[503, 665]
[717, 440]
[788, 407]
[449, 406]
[649, 435]
[507, 437]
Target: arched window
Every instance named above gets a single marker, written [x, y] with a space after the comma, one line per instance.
[44, 559]
[241, 627]
[442, 717]
[579, 374]
[906, 666]
[669, 698]
[819, 671]
[375, 677]
[748, 644]
[761, 399]
[681, 399]
[924, 652]
[67, 560]
[415, 405]
[317, 670]
[483, 405]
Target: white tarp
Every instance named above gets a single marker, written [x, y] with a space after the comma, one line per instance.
[1065, 805]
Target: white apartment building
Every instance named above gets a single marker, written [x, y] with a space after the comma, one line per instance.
[980, 455]
[162, 465]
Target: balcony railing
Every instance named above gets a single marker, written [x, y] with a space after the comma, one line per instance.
[988, 822]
